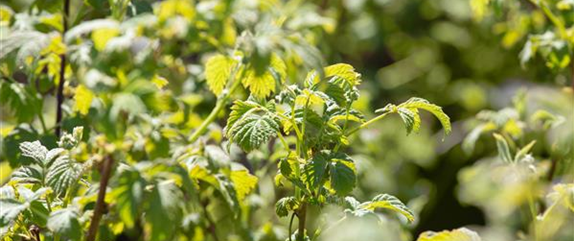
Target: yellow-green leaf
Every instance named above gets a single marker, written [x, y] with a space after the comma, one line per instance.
[461, 234]
[386, 201]
[83, 98]
[263, 84]
[345, 71]
[159, 81]
[101, 36]
[419, 103]
[244, 183]
[217, 71]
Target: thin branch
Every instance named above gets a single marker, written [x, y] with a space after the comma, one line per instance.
[218, 108]
[62, 82]
[100, 203]
[291, 225]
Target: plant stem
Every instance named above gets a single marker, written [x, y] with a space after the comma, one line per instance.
[211, 227]
[534, 215]
[291, 225]
[221, 102]
[301, 215]
[62, 82]
[572, 70]
[371, 121]
[100, 203]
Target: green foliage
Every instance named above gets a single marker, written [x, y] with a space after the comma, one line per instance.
[112, 122]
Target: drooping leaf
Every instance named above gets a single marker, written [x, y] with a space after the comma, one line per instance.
[410, 118]
[386, 201]
[461, 234]
[503, 149]
[65, 222]
[419, 103]
[286, 205]
[218, 71]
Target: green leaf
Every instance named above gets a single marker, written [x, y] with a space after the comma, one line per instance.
[63, 173]
[243, 182]
[238, 110]
[218, 71]
[503, 149]
[288, 165]
[251, 131]
[65, 222]
[286, 205]
[386, 201]
[342, 174]
[28, 174]
[419, 103]
[34, 150]
[129, 195]
[314, 171]
[461, 234]
[163, 212]
[10, 210]
[410, 118]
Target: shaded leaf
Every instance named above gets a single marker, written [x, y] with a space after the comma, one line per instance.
[503, 149]
[65, 222]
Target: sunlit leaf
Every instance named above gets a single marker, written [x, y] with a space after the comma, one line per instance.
[461, 234]
[83, 98]
[386, 201]
[243, 182]
[218, 71]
